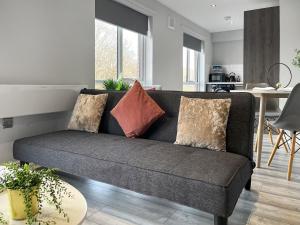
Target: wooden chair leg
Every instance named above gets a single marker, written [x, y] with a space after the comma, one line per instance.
[255, 146]
[275, 147]
[292, 154]
[271, 136]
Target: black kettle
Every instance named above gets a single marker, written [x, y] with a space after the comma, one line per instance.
[232, 77]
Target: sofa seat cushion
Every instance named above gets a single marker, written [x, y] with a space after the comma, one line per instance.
[186, 174]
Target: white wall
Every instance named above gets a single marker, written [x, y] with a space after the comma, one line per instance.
[289, 38]
[228, 47]
[167, 44]
[228, 50]
[232, 35]
[44, 42]
[47, 42]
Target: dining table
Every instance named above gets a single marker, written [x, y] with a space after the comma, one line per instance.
[263, 96]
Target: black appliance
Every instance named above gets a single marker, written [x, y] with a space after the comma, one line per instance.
[223, 87]
[232, 77]
[217, 77]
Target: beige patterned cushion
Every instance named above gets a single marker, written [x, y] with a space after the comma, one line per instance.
[203, 122]
[87, 113]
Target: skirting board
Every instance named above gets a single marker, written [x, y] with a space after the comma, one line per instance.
[23, 100]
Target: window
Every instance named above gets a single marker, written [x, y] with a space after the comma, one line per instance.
[191, 69]
[106, 51]
[118, 53]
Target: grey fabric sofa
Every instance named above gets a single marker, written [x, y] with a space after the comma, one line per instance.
[207, 180]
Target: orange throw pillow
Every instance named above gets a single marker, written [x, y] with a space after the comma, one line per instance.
[136, 111]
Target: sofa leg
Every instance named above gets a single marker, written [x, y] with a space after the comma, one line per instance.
[22, 163]
[248, 185]
[218, 220]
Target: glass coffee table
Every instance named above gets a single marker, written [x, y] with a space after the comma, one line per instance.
[75, 207]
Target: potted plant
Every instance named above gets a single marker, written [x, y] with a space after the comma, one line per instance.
[296, 60]
[2, 220]
[27, 188]
[116, 85]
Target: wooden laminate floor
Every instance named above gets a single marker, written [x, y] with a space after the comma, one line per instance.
[272, 201]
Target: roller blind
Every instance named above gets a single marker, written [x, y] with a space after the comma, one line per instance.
[192, 42]
[121, 15]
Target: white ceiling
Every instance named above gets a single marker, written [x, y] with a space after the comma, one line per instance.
[212, 18]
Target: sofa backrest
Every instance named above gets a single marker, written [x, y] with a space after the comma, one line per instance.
[240, 127]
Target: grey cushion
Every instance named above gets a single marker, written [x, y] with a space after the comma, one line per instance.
[203, 179]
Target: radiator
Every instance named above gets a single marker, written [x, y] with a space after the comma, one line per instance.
[23, 100]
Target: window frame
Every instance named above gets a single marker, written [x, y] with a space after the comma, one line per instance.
[142, 46]
[197, 68]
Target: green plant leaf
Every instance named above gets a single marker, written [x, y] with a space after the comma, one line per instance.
[110, 84]
[44, 184]
[296, 60]
[118, 85]
[2, 220]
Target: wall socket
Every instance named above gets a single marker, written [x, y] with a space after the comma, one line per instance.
[7, 123]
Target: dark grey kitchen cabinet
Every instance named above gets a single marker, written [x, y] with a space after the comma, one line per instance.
[261, 44]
